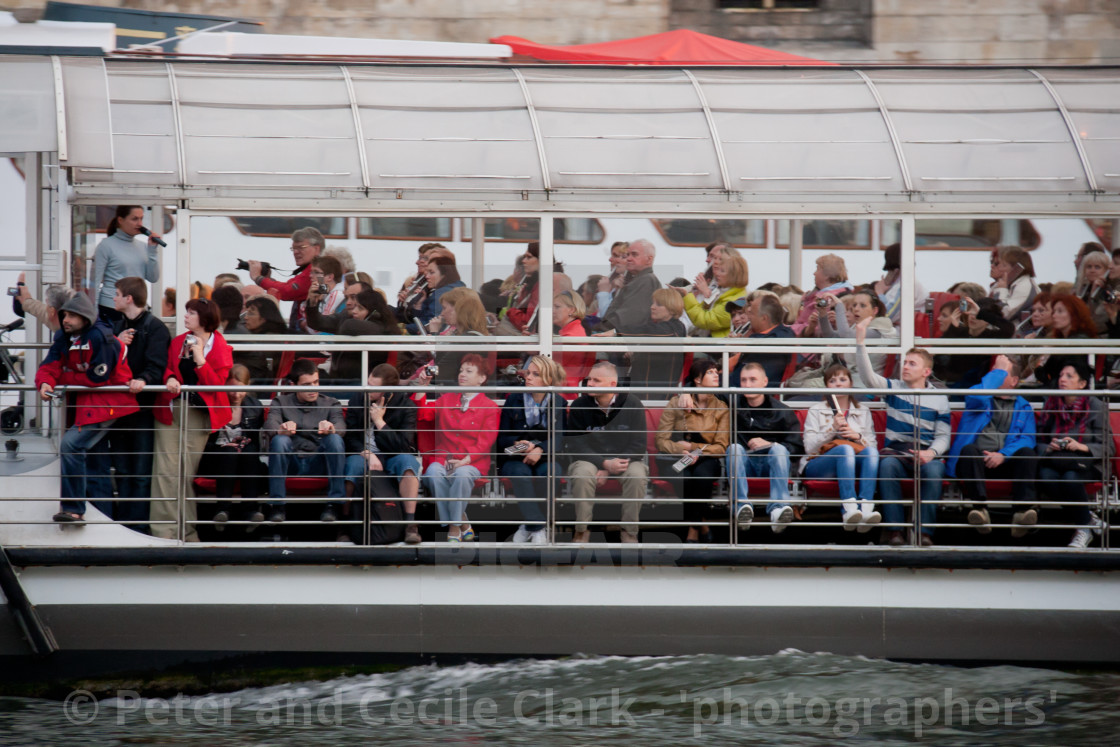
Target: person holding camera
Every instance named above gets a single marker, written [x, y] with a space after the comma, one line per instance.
[1074, 437]
[974, 319]
[527, 455]
[829, 279]
[200, 356]
[307, 244]
[327, 294]
[1014, 285]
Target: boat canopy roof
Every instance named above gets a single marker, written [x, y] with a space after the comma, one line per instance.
[887, 140]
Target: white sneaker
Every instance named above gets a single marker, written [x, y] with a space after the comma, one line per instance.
[744, 517]
[780, 518]
[1081, 538]
[521, 535]
[539, 537]
[852, 519]
[1094, 522]
[871, 518]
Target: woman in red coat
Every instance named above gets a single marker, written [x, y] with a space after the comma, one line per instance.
[199, 357]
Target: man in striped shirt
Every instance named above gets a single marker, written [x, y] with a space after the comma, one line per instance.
[917, 437]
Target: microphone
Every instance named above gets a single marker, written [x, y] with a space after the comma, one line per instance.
[156, 239]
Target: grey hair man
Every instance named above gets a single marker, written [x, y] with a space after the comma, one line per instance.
[630, 306]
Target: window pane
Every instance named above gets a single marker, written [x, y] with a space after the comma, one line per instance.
[828, 233]
[258, 225]
[426, 229]
[701, 232]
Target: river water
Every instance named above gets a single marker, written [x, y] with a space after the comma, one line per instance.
[791, 698]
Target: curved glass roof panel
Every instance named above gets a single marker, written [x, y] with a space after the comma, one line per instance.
[875, 138]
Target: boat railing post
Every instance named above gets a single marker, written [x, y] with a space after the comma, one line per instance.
[731, 474]
[180, 480]
[916, 483]
[550, 470]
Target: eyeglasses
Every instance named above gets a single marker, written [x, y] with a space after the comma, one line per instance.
[300, 247]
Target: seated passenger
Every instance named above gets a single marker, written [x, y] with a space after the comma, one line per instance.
[995, 441]
[889, 287]
[629, 306]
[353, 284]
[768, 436]
[701, 431]
[1070, 319]
[567, 321]
[414, 292]
[1014, 286]
[381, 446]
[466, 427]
[200, 356]
[764, 314]
[1074, 437]
[262, 317]
[327, 294]
[840, 443]
[527, 420]
[982, 320]
[369, 315]
[917, 437]
[1095, 287]
[830, 279]
[663, 320]
[305, 432]
[606, 438]
[85, 353]
[1038, 323]
[233, 453]
[230, 305]
[462, 314]
[519, 317]
[442, 276]
[837, 319]
[706, 306]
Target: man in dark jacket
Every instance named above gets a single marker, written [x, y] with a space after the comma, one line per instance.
[132, 438]
[768, 437]
[765, 314]
[85, 353]
[381, 445]
[630, 306]
[606, 437]
[306, 430]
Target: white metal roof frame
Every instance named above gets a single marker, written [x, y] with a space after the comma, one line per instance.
[478, 137]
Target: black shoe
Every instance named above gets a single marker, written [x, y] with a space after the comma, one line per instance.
[328, 515]
[277, 515]
[220, 520]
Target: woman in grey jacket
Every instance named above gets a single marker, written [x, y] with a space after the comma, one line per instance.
[117, 257]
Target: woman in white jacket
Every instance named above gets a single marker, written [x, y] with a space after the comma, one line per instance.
[840, 444]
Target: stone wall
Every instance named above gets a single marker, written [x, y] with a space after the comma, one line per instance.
[943, 31]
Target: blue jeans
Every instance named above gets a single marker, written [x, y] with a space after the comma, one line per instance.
[772, 462]
[843, 463]
[329, 460]
[530, 485]
[892, 470]
[443, 485]
[79, 467]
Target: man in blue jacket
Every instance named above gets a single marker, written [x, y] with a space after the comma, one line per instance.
[996, 442]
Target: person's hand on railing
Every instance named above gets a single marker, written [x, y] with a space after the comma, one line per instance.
[45, 392]
[173, 387]
[608, 333]
[136, 386]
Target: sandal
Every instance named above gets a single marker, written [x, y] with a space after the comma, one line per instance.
[68, 517]
[468, 535]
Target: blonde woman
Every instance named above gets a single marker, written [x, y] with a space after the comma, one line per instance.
[568, 311]
[706, 305]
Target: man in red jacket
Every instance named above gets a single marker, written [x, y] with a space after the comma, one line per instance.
[307, 244]
[85, 353]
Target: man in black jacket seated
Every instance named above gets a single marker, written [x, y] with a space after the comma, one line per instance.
[606, 438]
[132, 437]
[381, 445]
[768, 438]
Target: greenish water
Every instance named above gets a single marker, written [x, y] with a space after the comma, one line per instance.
[791, 698]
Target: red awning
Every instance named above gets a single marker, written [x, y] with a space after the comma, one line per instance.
[681, 47]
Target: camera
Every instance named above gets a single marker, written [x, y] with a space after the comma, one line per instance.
[431, 371]
[963, 305]
[822, 302]
[188, 342]
[13, 291]
[266, 268]
[1064, 442]
[322, 289]
[1107, 295]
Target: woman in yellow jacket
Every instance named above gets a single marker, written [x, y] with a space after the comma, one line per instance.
[701, 433]
[706, 305]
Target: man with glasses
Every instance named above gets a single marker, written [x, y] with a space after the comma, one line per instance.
[307, 244]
